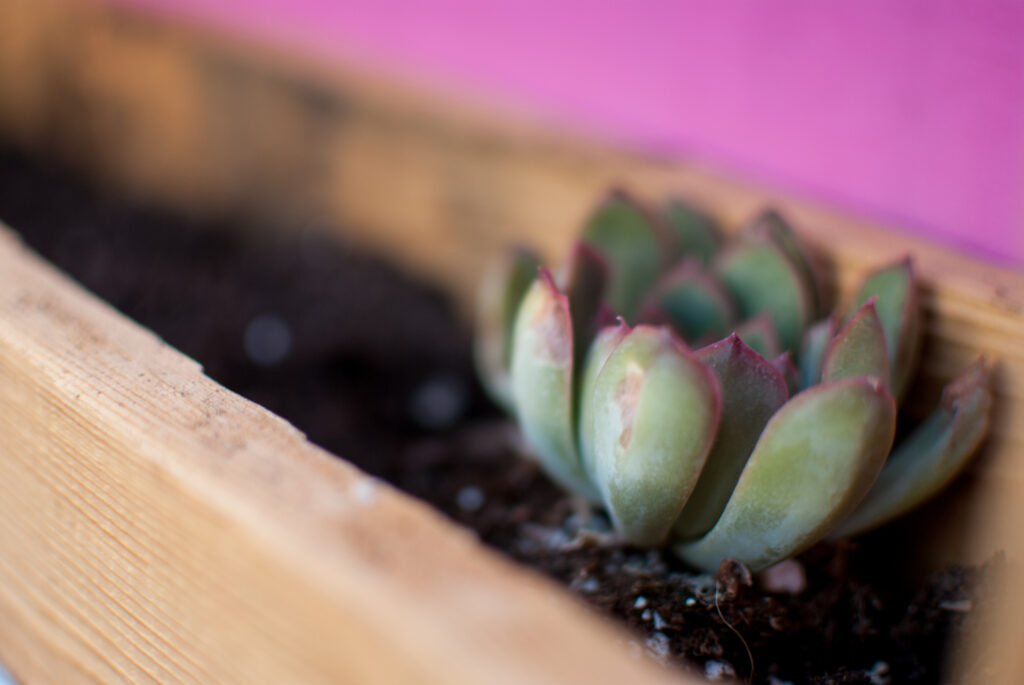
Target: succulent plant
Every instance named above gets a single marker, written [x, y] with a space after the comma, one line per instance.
[735, 418]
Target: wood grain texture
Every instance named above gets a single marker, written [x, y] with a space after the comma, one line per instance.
[439, 184]
[156, 527]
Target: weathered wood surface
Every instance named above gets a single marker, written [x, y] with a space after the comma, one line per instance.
[190, 118]
[156, 527]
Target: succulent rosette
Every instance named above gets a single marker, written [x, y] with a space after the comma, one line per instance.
[701, 393]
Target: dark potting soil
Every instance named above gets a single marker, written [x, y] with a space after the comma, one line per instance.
[374, 367]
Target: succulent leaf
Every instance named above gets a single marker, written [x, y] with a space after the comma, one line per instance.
[764, 281]
[771, 226]
[543, 383]
[693, 302]
[761, 335]
[790, 374]
[896, 288]
[503, 289]
[648, 425]
[753, 389]
[814, 462]
[859, 348]
[696, 233]
[634, 245]
[930, 457]
[812, 351]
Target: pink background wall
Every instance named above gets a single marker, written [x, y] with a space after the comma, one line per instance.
[909, 110]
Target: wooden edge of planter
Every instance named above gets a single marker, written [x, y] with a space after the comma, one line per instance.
[158, 527]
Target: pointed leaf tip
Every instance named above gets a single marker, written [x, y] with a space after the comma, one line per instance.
[897, 307]
[859, 348]
[761, 334]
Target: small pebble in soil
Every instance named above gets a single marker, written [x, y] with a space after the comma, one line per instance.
[470, 498]
[586, 585]
[718, 670]
[658, 645]
[785, 577]
[267, 340]
[439, 402]
[961, 606]
[879, 674]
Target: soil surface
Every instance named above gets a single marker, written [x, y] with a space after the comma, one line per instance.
[373, 366]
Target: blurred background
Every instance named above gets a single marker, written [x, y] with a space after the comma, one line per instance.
[909, 111]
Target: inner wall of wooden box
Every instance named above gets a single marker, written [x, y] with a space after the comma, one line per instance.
[184, 117]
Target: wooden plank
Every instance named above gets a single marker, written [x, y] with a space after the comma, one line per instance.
[158, 528]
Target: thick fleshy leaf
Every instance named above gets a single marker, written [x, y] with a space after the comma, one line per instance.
[764, 281]
[647, 425]
[634, 245]
[770, 225]
[930, 457]
[812, 351]
[761, 335]
[693, 302]
[816, 459]
[752, 390]
[543, 383]
[696, 233]
[790, 374]
[858, 349]
[896, 288]
[499, 297]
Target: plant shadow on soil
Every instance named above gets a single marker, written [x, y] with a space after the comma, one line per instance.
[373, 366]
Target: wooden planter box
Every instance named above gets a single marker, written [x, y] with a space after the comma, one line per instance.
[156, 527]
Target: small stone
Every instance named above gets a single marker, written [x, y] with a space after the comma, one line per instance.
[786, 577]
[267, 340]
[718, 670]
[470, 498]
[659, 622]
[879, 674]
[961, 606]
[439, 402]
[646, 615]
[588, 585]
[690, 601]
[640, 603]
[658, 645]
